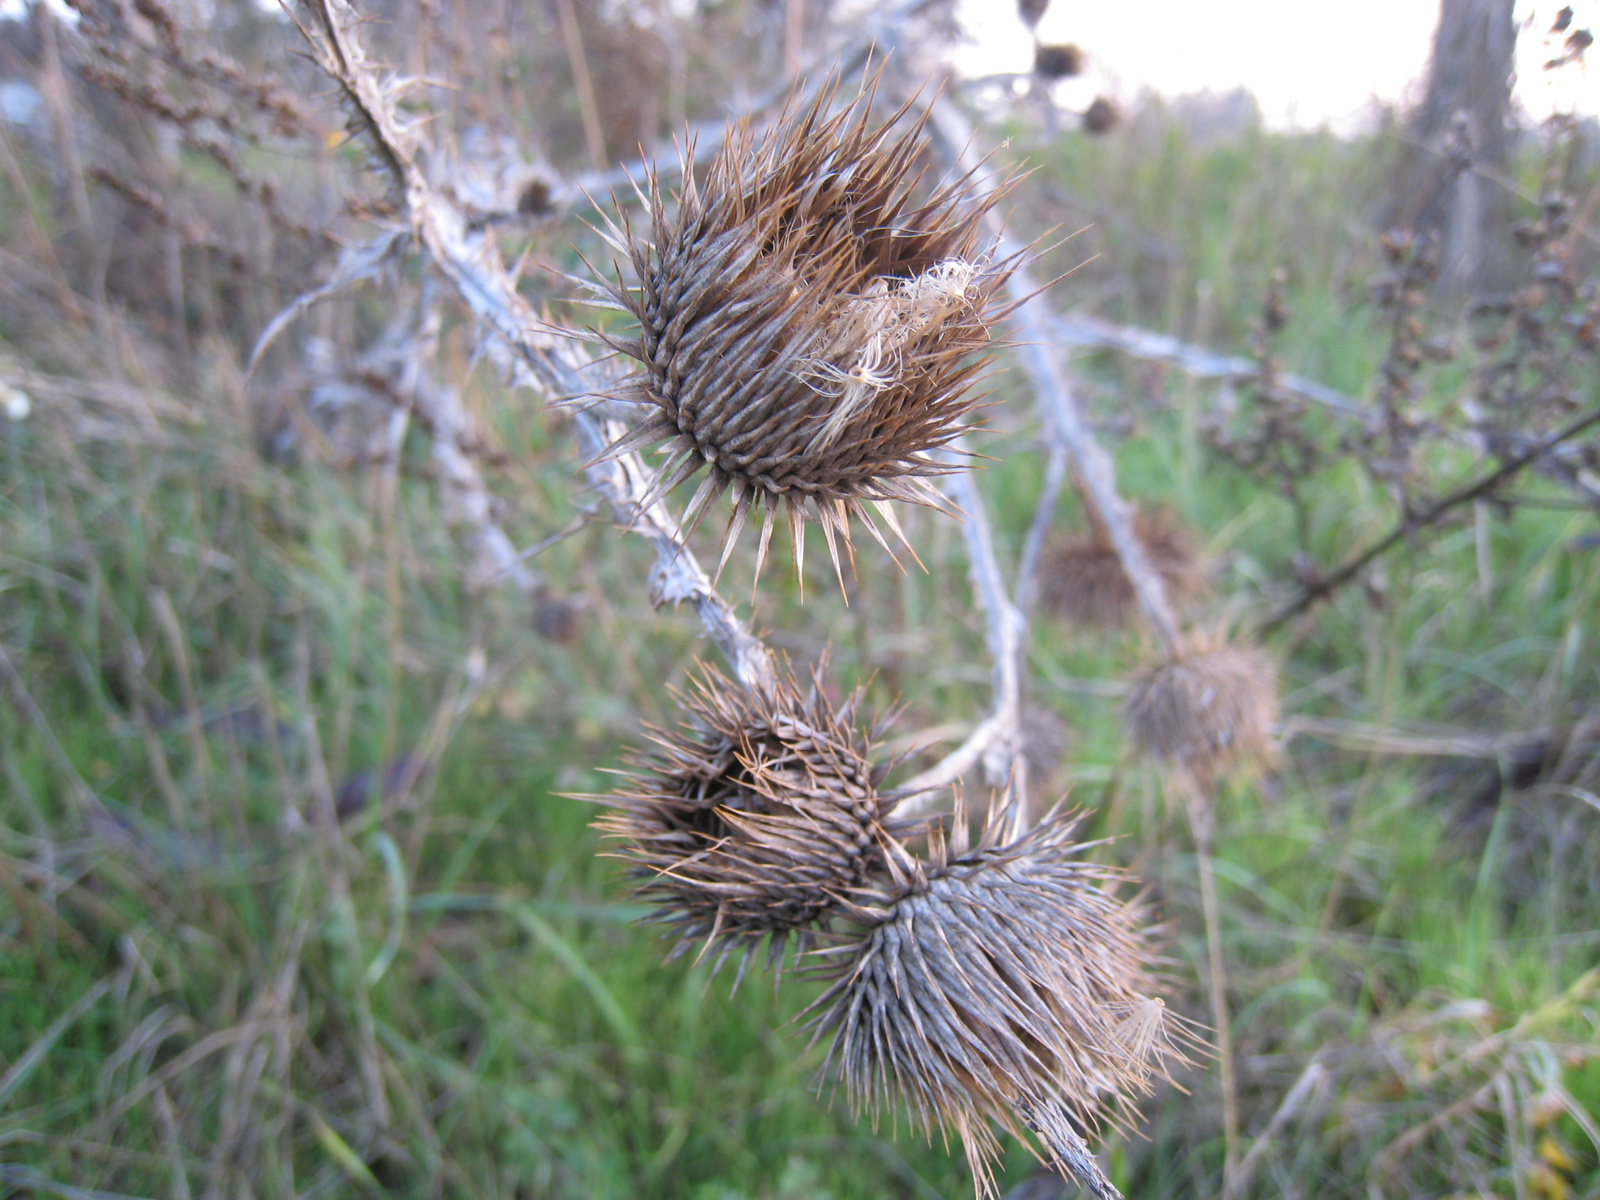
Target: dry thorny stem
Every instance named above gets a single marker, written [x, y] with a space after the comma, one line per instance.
[1060, 414]
[1070, 439]
[997, 738]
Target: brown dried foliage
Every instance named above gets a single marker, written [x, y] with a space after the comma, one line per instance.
[1390, 448]
[1529, 407]
[1276, 444]
[1538, 347]
[811, 320]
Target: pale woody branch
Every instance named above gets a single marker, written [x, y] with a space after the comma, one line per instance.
[997, 741]
[998, 736]
[534, 353]
[1062, 418]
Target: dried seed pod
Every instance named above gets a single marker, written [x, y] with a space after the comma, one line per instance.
[1057, 61]
[1082, 578]
[1211, 708]
[1004, 984]
[811, 319]
[754, 817]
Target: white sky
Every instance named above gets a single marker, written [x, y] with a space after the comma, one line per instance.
[1309, 62]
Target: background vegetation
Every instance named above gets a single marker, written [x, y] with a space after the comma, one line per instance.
[290, 900]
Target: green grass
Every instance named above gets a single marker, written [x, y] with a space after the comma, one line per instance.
[451, 993]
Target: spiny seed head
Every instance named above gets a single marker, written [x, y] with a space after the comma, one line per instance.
[1082, 580]
[1211, 708]
[998, 984]
[754, 817]
[811, 316]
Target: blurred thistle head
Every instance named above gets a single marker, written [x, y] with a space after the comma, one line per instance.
[1060, 61]
[1029, 11]
[1102, 116]
[755, 816]
[1210, 708]
[812, 313]
[1082, 580]
[558, 618]
[998, 985]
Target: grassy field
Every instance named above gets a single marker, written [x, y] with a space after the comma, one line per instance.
[294, 900]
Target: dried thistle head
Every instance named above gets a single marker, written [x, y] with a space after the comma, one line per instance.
[754, 817]
[811, 318]
[1081, 578]
[998, 985]
[1210, 708]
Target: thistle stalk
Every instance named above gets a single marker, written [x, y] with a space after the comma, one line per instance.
[762, 819]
